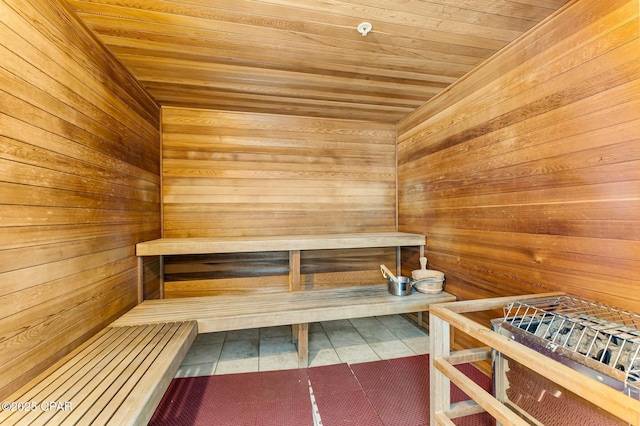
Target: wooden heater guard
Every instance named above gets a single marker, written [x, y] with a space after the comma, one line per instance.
[443, 372]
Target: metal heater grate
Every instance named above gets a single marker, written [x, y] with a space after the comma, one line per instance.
[598, 336]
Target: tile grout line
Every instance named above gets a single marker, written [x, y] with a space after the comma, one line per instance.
[317, 421]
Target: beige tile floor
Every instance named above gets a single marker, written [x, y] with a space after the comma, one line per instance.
[331, 342]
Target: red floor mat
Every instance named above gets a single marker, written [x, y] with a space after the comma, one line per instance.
[267, 398]
[380, 393]
[339, 397]
[398, 390]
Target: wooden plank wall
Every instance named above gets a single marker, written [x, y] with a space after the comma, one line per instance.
[236, 174]
[525, 175]
[79, 178]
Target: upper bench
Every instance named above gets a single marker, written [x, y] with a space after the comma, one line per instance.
[179, 246]
[294, 244]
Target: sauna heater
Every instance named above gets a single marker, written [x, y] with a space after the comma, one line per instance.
[598, 341]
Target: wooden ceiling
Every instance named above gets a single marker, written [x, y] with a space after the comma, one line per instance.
[305, 57]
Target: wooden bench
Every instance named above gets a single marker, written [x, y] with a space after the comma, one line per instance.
[293, 244]
[297, 307]
[235, 312]
[118, 377]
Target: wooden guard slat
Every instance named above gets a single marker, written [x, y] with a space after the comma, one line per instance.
[443, 316]
[469, 355]
[441, 419]
[482, 397]
[177, 246]
[118, 377]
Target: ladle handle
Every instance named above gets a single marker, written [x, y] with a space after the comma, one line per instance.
[423, 263]
[387, 273]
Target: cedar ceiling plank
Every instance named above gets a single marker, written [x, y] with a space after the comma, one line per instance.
[306, 58]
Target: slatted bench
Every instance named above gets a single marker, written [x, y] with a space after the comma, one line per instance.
[118, 377]
[293, 244]
[298, 307]
[236, 312]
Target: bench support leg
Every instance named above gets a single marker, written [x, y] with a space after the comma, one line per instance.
[140, 279]
[303, 345]
[299, 332]
[294, 270]
[161, 277]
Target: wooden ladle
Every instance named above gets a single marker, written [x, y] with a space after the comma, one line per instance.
[387, 273]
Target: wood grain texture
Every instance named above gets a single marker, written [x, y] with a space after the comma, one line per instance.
[243, 175]
[524, 175]
[306, 58]
[79, 178]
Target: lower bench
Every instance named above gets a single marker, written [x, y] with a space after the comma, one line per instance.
[236, 312]
[118, 378]
[120, 375]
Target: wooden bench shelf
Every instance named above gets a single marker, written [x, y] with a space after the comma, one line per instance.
[177, 246]
[293, 244]
[236, 312]
[118, 377]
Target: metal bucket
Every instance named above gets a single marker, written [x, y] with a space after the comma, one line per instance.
[402, 287]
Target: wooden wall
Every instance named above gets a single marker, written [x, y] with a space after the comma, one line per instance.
[525, 175]
[79, 178]
[237, 174]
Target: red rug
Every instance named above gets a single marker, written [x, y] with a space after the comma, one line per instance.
[398, 390]
[380, 393]
[340, 398]
[272, 398]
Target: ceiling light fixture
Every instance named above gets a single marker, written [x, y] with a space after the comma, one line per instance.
[364, 28]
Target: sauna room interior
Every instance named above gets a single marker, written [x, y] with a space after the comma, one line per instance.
[506, 132]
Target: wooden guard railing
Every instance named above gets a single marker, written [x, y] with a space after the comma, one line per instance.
[442, 371]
